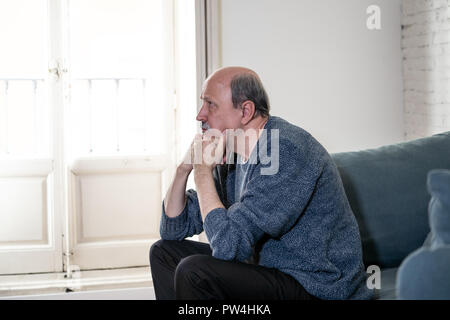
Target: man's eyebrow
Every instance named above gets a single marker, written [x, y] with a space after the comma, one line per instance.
[207, 98]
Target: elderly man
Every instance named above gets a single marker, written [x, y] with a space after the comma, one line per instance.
[288, 233]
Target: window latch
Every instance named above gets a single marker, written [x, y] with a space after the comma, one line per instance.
[56, 69]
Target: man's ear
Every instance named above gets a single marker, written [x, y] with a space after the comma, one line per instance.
[248, 111]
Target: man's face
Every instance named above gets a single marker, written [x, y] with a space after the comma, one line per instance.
[217, 111]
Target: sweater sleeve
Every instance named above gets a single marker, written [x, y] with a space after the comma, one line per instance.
[271, 204]
[186, 224]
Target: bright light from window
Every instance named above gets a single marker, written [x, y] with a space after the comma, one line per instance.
[24, 128]
[23, 32]
[117, 54]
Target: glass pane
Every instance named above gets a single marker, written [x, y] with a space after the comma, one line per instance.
[103, 120]
[118, 76]
[80, 125]
[120, 38]
[23, 26]
[24, 121]
[21, 117]
[131, 115]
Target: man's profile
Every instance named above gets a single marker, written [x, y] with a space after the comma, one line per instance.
[286, 233]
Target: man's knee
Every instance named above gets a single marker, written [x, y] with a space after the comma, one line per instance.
[154, 249]
[157, 250]
[190, 271]
[191, 264]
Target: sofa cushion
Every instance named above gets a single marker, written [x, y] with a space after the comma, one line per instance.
[387, 289]
[386, 188]
[424, 273]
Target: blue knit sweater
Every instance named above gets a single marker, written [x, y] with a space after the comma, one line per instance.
[297, 220]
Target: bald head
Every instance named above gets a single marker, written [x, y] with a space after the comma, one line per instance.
[243, 84]
[226, 74]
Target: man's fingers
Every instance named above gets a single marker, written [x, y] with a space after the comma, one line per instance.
[197, 149]
[212, 134]
[220, 150]
[208, 148]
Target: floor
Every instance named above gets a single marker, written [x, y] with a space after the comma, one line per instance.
[115, 294]
[114, 284]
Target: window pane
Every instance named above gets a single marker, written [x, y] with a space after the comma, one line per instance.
[23, 25]
[24, 123]
[120, 38]
[131, 115]
[118, 76]
[103, 116]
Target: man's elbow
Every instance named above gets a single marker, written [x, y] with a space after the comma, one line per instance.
[228, 253]
[165, 235]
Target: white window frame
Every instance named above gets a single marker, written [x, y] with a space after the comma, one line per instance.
[87, 255]
[57, 167]
[29, 258]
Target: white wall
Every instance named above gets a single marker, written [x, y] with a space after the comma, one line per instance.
[426, 66]
[323, 69]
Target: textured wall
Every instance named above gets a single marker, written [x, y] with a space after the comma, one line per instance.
[426, 66]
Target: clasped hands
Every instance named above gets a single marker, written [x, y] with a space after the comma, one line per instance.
[205, 152]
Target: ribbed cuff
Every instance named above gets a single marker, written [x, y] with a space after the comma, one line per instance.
[175, 224]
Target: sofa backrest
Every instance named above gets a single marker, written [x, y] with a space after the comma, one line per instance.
[386, 188]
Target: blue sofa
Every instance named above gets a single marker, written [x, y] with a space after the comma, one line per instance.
[388, 192]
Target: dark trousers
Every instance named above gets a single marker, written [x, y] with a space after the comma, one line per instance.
[186, 270]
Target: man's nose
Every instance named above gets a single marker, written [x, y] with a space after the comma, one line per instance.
[202, 114]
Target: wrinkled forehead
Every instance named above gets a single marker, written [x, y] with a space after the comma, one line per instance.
[215, 84]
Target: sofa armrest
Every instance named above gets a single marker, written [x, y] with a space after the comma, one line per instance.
[424, 275]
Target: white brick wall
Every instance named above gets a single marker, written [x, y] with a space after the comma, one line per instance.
[426, 67]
